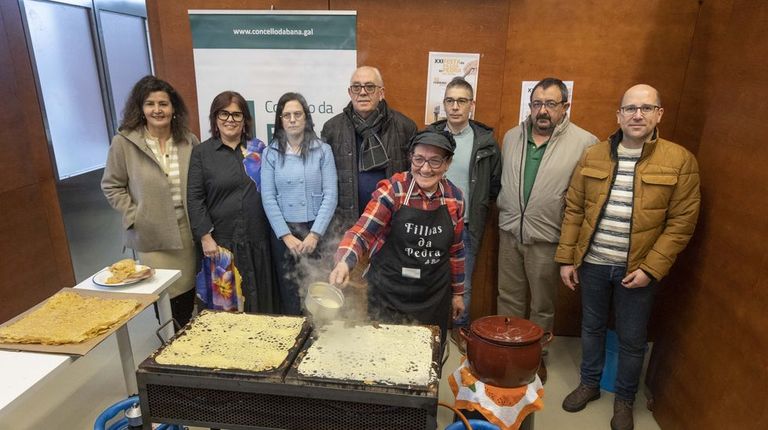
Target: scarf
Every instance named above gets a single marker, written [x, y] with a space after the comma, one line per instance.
[252, 160]
[217, 286]
[372, 154]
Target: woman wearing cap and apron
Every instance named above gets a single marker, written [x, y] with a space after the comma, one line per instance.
[412, 228]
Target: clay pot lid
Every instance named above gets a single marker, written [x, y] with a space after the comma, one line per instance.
[507, 330]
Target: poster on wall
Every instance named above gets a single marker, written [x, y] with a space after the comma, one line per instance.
[442, 67]
[264, 54]
[525, 98]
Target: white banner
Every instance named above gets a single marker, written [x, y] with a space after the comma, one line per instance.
[264, 54]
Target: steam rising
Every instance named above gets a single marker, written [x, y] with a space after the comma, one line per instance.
[317, 268]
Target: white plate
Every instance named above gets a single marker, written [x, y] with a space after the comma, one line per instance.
[101, 277]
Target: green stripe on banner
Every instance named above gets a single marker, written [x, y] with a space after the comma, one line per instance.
[242, 31]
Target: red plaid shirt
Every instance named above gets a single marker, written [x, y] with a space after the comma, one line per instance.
[372, 229]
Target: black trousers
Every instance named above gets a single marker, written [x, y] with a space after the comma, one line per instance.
[292, 271]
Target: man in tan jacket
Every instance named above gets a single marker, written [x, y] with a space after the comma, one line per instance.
[631, 209]
[538, 158]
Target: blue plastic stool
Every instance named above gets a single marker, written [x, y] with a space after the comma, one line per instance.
[611, 366]
[476, 425]
[122, 423]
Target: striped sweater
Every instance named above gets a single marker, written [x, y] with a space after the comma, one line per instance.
[611, 242]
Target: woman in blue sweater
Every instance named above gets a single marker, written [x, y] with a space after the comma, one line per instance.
[299, 193]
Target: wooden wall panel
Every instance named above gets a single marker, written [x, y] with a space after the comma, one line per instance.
[35, 266]
[33, 245]
[25, 165]
[401, 46]
[605, 47]
[709, 43]
[709, 367]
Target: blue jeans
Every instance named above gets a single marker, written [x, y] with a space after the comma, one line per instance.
[469, 267]
[600, 284]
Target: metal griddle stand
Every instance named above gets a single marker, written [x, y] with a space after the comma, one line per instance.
[279, 400]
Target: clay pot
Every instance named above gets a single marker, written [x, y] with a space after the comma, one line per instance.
[504, 351]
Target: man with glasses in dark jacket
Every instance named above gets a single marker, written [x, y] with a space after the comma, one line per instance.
[476, 170]
[369, 142]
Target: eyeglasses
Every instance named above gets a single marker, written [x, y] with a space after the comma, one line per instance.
[434, 163]
[462, 102]
[644, 109]
[224, 115]
[295, 115]
[549, 104]
[369, 88]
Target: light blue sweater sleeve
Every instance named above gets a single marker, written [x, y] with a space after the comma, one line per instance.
[330, 191]
[269, 193]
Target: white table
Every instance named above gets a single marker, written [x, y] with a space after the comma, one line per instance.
[21, 371]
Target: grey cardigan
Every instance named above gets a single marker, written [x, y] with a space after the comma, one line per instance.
[136, 186]
[540, 219]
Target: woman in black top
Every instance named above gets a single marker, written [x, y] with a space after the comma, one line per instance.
[225, 201]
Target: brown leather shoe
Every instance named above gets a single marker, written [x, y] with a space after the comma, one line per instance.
[458, 340]
[542, 372]
[579, 398]
[622, 415]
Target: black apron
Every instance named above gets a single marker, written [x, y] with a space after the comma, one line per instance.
[410, 277]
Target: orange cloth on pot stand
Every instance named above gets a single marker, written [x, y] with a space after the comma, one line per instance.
[504, 407]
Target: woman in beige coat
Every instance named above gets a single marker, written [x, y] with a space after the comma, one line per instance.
[146, 181]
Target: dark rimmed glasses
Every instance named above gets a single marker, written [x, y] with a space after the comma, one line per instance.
[462, 102]
[434, 162]
[369, 88]
[549, 104]
[645, 110]
[225, 115]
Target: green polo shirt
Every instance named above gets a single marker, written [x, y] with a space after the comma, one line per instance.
[533, 156]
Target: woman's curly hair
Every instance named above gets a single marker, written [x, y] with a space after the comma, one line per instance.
[133, 113]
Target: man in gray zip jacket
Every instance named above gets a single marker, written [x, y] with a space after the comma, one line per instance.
[539, 156]
[476, 170]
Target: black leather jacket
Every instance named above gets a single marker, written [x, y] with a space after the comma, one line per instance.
[339, 132]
